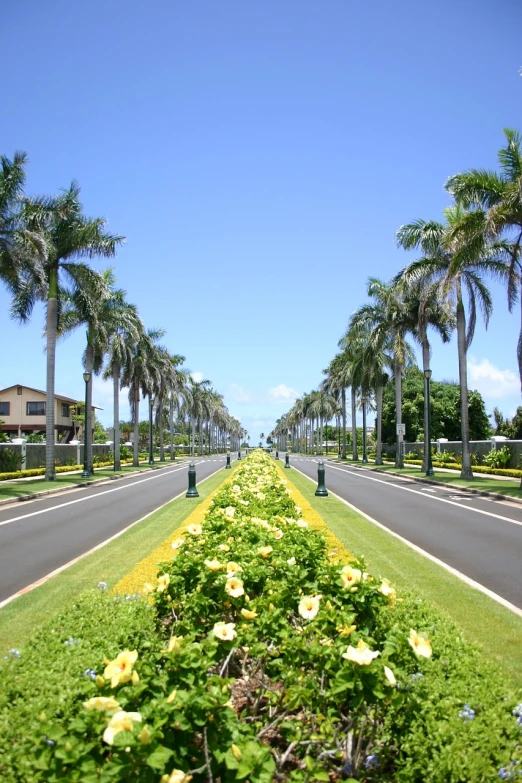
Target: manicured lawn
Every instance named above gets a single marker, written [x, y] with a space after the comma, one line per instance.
[17, 489]
[483, 621]
[510, 487]
[109, 564]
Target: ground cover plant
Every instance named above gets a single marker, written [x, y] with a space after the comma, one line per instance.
[272, 658]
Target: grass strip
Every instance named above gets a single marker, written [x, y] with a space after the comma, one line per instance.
[496, 630]
[21, 617]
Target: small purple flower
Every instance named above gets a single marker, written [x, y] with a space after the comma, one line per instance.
[417, 676]
[90, 673]
[14, 653]
[371, 761]
[102, 585]
[467, 713]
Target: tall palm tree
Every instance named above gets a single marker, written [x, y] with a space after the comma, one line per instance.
[141, 376]
[69, 236]
[495, 201]
[170, 381]
[453, 268]
[22, 252]
[386, 319]
[196, 405]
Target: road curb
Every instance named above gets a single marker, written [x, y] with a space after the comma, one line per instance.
[480, 492]
[83, 484]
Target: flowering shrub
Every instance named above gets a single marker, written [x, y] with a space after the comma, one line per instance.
[273, 661]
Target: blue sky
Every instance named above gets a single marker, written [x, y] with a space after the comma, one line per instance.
[259, 158]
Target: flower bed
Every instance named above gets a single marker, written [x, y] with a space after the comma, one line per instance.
[271, 660]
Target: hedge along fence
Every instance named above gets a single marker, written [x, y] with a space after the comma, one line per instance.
[509, 472]
[65, 453]
[270, 660]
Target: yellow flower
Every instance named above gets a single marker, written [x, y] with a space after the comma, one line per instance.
[174, 645]
[120, 721]
[119, 671]
[301, 523]
[176, 776]
[144, 736]
[326, 642]
[265, 551]
[278, 534]
[390, 676]
[249, 614]
[236, 752]
[178, 543]
[102, 703]
[360, 654]
[214, 565]
[309, 606]
[230, 511]
[345, 630]
[224, 547]
[147, 588]
[420, 644]
[194, 530]
[387, 590]
[233, 569]
[225, 631]
[163, 583]
[135, 677]
[350, 576]
[291, 561]
[171, 697]
[234, 587]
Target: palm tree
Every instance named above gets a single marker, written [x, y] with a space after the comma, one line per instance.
[22, 252]
[496, 203]
[170, 382]
[452, 267]
[387, 319]
[196, 405]
[69, 235]
[141, 375]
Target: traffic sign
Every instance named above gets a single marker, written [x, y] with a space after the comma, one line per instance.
[401, 430]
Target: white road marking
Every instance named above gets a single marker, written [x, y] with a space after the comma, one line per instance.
[446, 566]
[427, 489]
[437, 499]
[90, 497]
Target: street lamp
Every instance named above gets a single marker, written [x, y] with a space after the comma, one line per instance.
[151, 453]
[85, 472]
[429, 467]
[365, 457]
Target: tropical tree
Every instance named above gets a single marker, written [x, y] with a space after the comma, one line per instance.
[387, 320]
[495, 204]
[197, 406]
[452, 267]
[69, 236]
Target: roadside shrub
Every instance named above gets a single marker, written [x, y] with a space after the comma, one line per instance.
[125, 453]
[498, 458]
[10, 460]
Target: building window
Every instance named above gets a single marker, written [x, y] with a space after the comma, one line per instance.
[5, 408]
[65, 410]
[35, 409]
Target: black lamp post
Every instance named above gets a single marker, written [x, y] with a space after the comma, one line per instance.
[429, 467]
[85, 472]
[365, 457]
[151, 453]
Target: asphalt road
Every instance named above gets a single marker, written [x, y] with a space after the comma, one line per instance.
[39, 536]
[481, 538]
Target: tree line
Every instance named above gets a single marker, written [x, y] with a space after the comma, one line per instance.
[45, 245]
[444, 290]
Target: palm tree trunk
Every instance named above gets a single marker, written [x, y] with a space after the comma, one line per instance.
[136, 449]
[200, 436]
[160, 424]
[116, 409]
[425, 366]
[343, 405]
[321, 430]
[89, 360]
[378, 448]
[466, 472]
[355, 453]
[51, 325]
[397, 372]
[193, 446]
[171, 425]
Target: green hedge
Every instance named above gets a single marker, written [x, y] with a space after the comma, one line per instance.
[59, 469]
[510, 472]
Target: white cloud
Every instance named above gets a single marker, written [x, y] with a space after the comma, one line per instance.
[238, 393]
[197, 376]
[102, 397]
[490, 381]
[282, 393]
